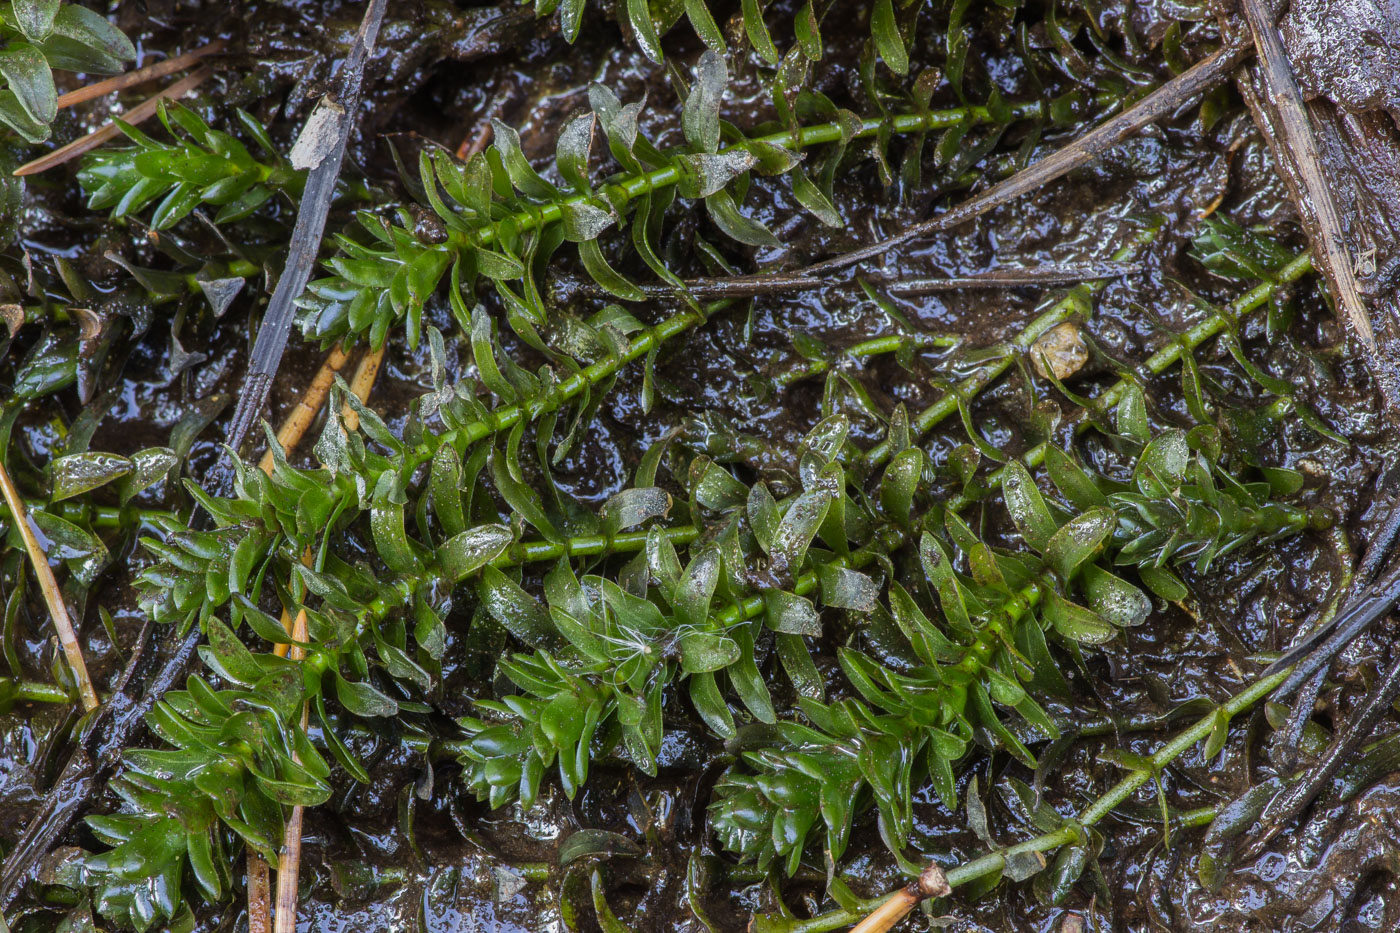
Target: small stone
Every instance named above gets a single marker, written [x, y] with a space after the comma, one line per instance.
[1063, 349]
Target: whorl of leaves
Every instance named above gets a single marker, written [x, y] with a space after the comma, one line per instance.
[202, 166]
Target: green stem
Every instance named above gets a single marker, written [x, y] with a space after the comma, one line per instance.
[866, 348]
[994, 862]
[619, 193]
[1160, 361]
[1075, 302]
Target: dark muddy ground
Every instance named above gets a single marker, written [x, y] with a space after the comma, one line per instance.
[379, 857]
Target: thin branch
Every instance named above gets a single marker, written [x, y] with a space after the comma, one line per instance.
[140, 113]
[140, 75]
[326, 152]
[768, 283]
[1293, 799]
[289, 856]
[1297, 144]
[49, 586]
[930, 883]
[1165, 100]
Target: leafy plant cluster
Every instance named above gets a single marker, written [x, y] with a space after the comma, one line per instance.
[939, 677]
[38, 36]
[201, 166]
[707, 592]
[496, 218]
[696, 615]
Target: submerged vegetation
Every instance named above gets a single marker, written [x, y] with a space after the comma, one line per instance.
[659, 488]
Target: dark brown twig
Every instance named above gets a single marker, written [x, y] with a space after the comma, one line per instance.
[1296, 143]
[95, 757]
[1295, 798]
[1165, 100]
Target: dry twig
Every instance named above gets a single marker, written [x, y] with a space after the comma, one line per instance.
[366, 371]
[930, 883]
[289, 857]
[308, 406]
[140, 75]
[58, 610]
[259, 895]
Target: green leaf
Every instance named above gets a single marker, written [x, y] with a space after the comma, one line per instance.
[1027, 506]
[1079, 540]
[1075, 622]
[16, 118]
[697, 588]
[469, 551]
[885, 30]
[811, 197]
[707, 651]
[757, 31]
[786, 612]
[1161, 467]
[1114, 599]
[35, 18]
[1219, 732]
[76, 474]
[1132, 416]
[726, 215]
[29, 77]
[516, 610]
[632, 507]
[709, 703]
[522, 174]
[1073, 482]
[639, 15]
[700, 115]
[707, 173]
[91, 30]
[228, 656]
[1164, 583]
[390, 540]
[571, 18]
[701, 20]
[798, 527]
[362, 699]
[149, 467]
[608, 278]
[572, 150]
